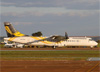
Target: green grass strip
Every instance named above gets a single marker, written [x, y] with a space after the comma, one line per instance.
[23, 54]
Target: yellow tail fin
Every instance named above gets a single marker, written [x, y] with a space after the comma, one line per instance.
[11, 31]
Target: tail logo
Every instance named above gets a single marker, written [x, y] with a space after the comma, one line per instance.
[8, 30]
[17, 33]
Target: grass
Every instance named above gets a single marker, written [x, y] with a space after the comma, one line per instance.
[98, 45]
[48, 55]
[1, 45]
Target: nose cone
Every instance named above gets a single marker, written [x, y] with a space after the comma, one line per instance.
[96, 43]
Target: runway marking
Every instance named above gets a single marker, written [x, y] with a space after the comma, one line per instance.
[93, 59]
[92, 67]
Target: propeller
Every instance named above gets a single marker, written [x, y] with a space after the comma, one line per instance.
[55, 38]
[60, 38]
[66, 35]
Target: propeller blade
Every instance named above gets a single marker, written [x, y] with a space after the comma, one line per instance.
[66, 35]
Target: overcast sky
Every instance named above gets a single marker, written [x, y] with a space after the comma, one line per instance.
[51, 17]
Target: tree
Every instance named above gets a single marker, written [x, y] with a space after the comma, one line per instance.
[98, 41]
[37, 33]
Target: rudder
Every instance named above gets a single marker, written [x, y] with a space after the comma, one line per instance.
[11, 31]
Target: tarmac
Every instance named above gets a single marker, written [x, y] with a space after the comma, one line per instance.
[49, 65]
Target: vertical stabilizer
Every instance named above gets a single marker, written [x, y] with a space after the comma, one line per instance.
[11, 31]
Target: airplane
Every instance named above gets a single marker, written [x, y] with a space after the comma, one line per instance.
[53, 41]
[8, 45]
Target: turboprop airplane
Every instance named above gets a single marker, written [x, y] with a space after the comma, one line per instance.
[54, 41]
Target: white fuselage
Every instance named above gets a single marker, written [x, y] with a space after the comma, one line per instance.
[72, 41]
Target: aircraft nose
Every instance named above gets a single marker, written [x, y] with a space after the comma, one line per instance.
[96, 43]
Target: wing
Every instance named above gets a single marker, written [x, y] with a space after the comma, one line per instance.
[59, 38]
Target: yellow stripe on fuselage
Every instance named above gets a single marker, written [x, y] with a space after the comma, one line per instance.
[12, 38]
[36, 38]
[45, 41]
[18, 34]
[41, 38]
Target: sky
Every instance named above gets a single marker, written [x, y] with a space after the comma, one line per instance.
[51, 17]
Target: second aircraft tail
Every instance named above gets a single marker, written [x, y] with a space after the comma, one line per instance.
[11, 31]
